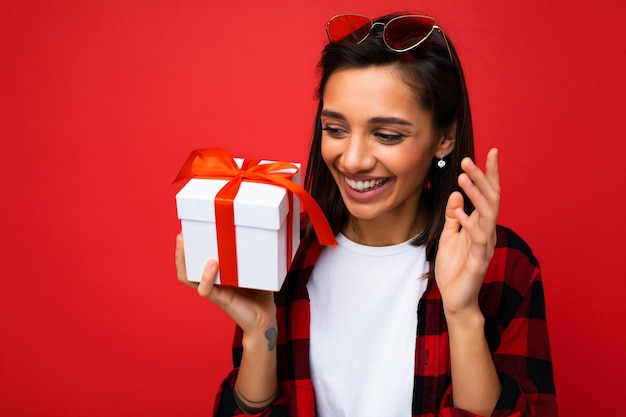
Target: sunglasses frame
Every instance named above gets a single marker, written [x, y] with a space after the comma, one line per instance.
[386, 25]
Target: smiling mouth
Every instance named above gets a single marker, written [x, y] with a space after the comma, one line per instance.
[364, 186]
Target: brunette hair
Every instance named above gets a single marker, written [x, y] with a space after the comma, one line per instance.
[436, 77]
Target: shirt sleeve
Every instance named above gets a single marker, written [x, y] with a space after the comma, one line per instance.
[512, 301]
[295, 396]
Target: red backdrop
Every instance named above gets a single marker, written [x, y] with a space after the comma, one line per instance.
[100, 103]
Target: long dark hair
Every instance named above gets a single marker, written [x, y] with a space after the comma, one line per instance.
[436, 77]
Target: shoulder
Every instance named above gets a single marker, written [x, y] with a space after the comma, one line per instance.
[509, 242]
[514, 270]
[513, 261]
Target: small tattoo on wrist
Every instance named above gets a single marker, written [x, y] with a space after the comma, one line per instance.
[271, 335]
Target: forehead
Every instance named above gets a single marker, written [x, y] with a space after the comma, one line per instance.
[371, 92]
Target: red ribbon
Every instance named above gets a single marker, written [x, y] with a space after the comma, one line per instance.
[218, 164]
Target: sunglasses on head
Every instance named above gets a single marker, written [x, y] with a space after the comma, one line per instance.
[400, 34]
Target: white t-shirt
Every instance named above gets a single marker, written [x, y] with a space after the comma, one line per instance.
[363, 328]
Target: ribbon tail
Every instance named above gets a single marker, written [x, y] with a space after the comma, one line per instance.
[324, 233]
[290, 215]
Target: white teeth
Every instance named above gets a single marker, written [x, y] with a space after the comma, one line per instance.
[366, 185]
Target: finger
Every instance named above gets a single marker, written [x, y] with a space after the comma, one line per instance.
[181, 270]
[478, 179]
[485, 199]
[481, 223]
[473, 226]
[483, 190]
[207, 283]
[455, 203]
[476, 196]
[492, 169]
[179, 255]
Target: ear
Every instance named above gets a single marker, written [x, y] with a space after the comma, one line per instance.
[446, 141]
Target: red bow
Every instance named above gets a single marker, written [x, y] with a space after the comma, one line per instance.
[218, 164]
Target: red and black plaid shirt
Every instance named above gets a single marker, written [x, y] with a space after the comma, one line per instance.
[511, 300]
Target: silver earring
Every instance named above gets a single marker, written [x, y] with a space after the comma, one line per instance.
[441, 163]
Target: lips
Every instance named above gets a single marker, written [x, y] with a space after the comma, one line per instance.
[363, 186]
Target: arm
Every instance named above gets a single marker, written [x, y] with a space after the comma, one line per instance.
[475, 382]
[493, 302]
[512, 301]
[465, 250]
[255, 386]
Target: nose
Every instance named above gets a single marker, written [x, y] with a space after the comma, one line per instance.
[357, 155]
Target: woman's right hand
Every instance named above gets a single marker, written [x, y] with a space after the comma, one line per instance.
[253, 310]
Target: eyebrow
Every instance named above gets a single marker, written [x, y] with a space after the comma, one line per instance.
[375, 120]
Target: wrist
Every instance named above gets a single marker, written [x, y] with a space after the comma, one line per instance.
[470, 318]
[260, 341]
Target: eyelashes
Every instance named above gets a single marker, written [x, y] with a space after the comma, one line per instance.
[389, 137]
[382, 137]
[333, 130]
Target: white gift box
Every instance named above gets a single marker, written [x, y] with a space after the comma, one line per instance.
[260, 212]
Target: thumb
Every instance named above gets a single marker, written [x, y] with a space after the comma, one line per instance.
[207, 284]
[452, 223]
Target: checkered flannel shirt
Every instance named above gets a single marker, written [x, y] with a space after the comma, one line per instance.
[512, 301]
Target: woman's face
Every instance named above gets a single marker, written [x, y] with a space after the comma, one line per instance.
[378, 143]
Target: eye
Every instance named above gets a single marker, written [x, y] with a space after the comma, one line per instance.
[389, 138]
[334, 132]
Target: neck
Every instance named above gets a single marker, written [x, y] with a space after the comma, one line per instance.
[386, 230]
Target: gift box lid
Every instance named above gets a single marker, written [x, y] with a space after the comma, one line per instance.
[255, 205]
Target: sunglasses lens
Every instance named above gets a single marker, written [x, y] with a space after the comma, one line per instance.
[407, 31]
[352, 27]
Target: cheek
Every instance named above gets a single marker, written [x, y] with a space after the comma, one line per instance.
[416, 170]
[328, 153]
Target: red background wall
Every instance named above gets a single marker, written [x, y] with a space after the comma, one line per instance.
[100, 103]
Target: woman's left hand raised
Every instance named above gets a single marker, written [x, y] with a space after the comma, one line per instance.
[467, 242]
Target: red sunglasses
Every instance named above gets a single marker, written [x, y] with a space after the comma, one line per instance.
[400, 34]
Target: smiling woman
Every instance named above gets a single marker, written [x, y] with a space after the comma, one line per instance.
[426, 307]
[379, 152]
